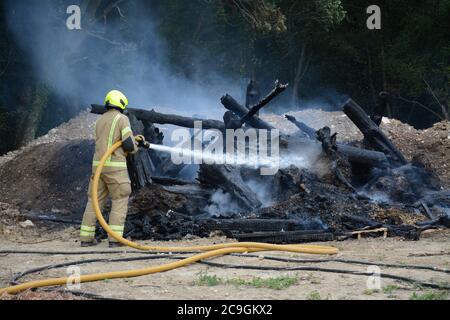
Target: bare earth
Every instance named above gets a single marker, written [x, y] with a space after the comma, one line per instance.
[181, 283]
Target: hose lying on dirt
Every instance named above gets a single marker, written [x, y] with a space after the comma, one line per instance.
[82, 294]
[209, 251]
[248, 267]
[164, 255]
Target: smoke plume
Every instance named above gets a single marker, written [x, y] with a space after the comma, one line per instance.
[126, 54]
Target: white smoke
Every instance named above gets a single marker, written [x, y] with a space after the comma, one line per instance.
[262, 192]
[82, 65]
[221, 202]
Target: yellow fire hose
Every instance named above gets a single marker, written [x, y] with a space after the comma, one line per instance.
[210, 250]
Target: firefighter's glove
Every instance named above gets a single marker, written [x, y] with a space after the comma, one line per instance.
[140, 139]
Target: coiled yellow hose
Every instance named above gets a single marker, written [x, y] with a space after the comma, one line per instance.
[210, 251]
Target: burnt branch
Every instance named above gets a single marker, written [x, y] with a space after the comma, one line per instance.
[330, 148]
[279, 88]
[164, 118]
[231, 104]
[372, 133]
[307, 130]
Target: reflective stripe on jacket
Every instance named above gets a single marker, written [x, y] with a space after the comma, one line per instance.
[111, 127]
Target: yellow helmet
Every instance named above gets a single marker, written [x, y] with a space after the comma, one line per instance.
[117, 99]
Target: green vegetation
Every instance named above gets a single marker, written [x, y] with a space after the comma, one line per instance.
[369, 292]
[389, 289]
[430, 295]
[277, 283]
[315, 295]
[208, 280]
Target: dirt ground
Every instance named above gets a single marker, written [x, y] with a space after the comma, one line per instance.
[185, 283]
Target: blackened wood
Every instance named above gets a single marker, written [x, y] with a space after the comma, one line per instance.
[251, 225]
[428, 212]
[279, 88]
[381, 108]
[307, 130]
[231, 120]
[372, 133]
[229, 179]
[354, 222]
[285, 237]
[330, 148]
[353, 154]
[358, 155]
[140, 169]
[231, 104]
[153, 135]
[140, 165]
[169, 169]
[252, 95]
[167, 181]
[163, 118]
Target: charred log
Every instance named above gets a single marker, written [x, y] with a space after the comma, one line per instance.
[252, 95]
[285, 237]
[353, 154]
[409, 232]
[305, 129]
[229, 179]
[372, 133]
[231, 104]
[252, 225]
[153, 135]
[381, 108]
[363, 156]
[140, 165]
[163, 118]
[250, 116]
[330, 148]
[279, 88]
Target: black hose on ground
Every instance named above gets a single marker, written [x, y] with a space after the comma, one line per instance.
[81, 294]
[341, 271]
[165, 255]
[73, 263]
[232, 266]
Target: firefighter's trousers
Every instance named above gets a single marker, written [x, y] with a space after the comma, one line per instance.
[117, 186]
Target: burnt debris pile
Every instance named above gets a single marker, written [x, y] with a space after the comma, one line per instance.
[323, 189]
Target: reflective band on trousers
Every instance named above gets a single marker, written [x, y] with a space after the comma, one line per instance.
[108, 162]
[88, 228]
[86, 231]
[117, 229]
[86, 234]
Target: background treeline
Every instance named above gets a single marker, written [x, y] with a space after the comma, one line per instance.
[322, 48]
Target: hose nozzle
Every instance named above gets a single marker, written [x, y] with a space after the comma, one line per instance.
[140, 139]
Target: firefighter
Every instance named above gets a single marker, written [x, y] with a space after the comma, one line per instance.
[114, 181]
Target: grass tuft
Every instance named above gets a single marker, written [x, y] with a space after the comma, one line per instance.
[277, 283]
[431, 295]
[315, 295]
[205, 280]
